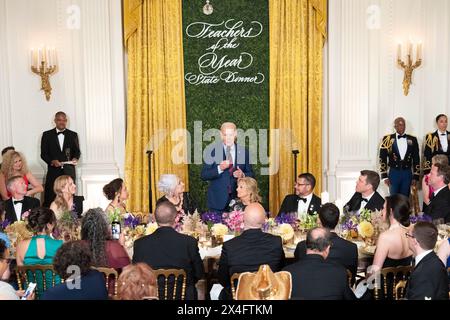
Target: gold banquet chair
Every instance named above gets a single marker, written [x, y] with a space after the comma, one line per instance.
[111, 276]
[171, 284]
[264, 285]
[234, 280]
[389, 278]
[38, 274]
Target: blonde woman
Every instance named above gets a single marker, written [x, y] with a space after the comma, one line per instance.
[14, 164]
[247, 192]
[66, 200]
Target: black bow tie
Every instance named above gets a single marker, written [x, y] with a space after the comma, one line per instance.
[302, 199]
[443, 134]
[364, 199]
[61, 132]
[17, 201]
[401, 136]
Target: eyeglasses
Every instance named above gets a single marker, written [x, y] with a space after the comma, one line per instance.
[303, 184]
[409, 235]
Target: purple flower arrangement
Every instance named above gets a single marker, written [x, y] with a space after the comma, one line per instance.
[4, 224]
[211, 217]
[131, 221]
[415, 219]
[287, 218]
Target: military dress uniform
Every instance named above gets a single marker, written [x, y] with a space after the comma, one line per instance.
[401, 171]
[433, 146]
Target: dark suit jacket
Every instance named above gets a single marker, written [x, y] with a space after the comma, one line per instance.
[247, 252]
[78, 202]
[189, 204]
[342, 251]
[375, 203]
[92, 288]
[28, 204]
[314, 278]
[429, 279]
[290, 204]
[220, 184]
[50, 149]
[439, 207]
[168, 249]
[390, 156]
[433, 147]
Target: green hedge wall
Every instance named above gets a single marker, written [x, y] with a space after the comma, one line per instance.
[246, 104]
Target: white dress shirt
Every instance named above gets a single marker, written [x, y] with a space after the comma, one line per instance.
[421, 256]
[60, 139]
[304, 206]
[435, 192]
[402, 145]
[233, 155]
[443, 140]
[363, 203]
[17, 208]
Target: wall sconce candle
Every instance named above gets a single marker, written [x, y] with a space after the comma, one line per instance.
[409, 65]
[44, 63]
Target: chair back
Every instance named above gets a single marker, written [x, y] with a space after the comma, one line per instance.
[234, 280]
[43, 275]
[111, 275]
[386, 287]
[171, 284]
[400, 290]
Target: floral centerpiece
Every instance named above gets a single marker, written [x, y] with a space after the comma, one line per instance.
[286, 232]
[68, 227]
[309, 221]
[16, 232]
[365, 224]
[234, 220]
[288, 218]
[151, 227]
[211, 218]
[413, 219]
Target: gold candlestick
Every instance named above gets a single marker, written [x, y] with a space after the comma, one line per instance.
[409, 66]
[46, 68]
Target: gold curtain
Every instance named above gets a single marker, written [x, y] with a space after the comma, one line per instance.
[297, 36]
[156, 98]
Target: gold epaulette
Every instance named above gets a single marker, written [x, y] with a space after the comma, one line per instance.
[432, 142]
[387, 142]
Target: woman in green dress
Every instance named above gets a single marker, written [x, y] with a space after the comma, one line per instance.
[41, 248]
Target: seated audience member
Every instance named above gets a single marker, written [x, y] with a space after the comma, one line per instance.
[41, 248]
[5, 150]
[168, 249]
[3, 236]
[366, 195]
[173, 189]
[304, 200]
[342, 251]
[97, 233]
[66, 200]
[14, 164]
[428, 190]
[137, 282]
[19, 202]
[247, 193]
[439, 205]
[90, 285]
[316, 278]
[392, 245]
[249, 250]
[116, 191]
[428, 280]
[7, 292]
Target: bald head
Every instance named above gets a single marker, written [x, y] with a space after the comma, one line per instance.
[318, 241]
[165, 214]
[254, 216]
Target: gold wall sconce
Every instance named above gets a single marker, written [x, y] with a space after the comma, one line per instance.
[409, 65]
[44, 63]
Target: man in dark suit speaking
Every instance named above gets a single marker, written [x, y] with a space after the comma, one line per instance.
[60, 150]
[223, 164]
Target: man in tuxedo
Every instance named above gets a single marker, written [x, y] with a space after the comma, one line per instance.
[168, 249]
[342, 251]
[428, 280]
[59, 145]
[18, 203]
[436, 143]
[400, 153]
[366, 196]
[304, 200]
[315, 277]
[251, 249]
[223, 164]
[439, 205]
